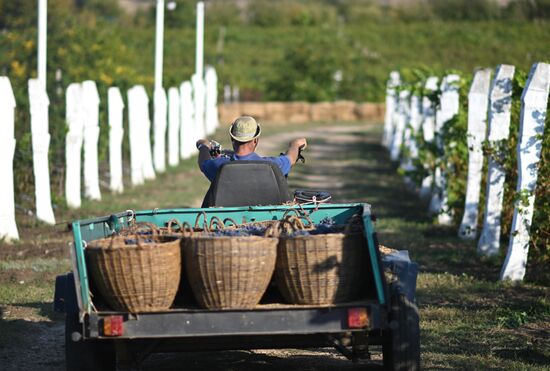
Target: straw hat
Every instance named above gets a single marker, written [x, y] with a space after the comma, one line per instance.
[244, 129]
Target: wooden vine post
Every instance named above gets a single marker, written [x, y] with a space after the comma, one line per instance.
[391, 106]
[160, 114]
[428, 129]
[188, 131]
[402, 118]
[136, 171]
[199, 131]
[39, 104]
[116, 135]
[478, 103]
[8, 226]
[141, 158]
[448, 108]
[74, 116]
[90, 101]
[533, 116]
[173, 126]
[211, 110]
[500, 103]
[409, 138]
[147, 166]
[198, 77]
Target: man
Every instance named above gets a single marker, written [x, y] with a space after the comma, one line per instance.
[245, 132]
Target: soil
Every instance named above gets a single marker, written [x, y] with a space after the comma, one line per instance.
[38, 241]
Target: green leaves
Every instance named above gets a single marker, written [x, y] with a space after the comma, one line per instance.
[306, 71]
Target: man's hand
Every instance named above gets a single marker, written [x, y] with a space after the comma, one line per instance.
[300, 143]
[294, 149]
[205, 142]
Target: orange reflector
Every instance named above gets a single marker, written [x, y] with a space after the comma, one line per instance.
[113, 326]
[358, 317]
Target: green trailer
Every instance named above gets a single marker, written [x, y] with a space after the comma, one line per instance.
[391, 313]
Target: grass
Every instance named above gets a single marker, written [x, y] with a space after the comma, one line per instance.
[469, 320]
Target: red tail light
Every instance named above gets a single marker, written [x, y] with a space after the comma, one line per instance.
[113, 326]
[358, 318]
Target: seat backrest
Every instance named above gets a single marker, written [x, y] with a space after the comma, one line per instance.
[248, 183]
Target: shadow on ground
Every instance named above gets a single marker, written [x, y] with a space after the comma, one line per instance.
[323, 359]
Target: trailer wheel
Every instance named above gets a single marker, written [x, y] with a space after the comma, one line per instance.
[401, 351]
[89, 355]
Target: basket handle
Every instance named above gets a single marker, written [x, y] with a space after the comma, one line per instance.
[138, 243]
[215, 221]
[298, 224]
[288, 212]
[310, 223]
[233, 222]
[272, 230]
[171, 222]
[204, 223]
[187, 230]
[291, 223]
[304, 215]
[153, 227]
[110, 247]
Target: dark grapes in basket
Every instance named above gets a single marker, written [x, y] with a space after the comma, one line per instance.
[242, 231]
[133, 241]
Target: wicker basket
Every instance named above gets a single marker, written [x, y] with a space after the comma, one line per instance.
[321, 269]
[142, 277]
[229, 272]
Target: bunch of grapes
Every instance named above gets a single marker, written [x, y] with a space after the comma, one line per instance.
[254, 230]
[228, 233]
[300, 232]
[133, 241]
[327, 220]
[242, 231]
[326, 226]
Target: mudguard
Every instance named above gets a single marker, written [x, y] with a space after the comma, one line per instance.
[404, 273]
[64, 300]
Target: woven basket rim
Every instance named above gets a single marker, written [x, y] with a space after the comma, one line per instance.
[146, 245]
[323, 235]
[217, 238]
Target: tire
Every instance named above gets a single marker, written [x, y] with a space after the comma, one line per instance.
[401, 351]
[86, 355]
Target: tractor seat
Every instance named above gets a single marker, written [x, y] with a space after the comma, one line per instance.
[247, 183]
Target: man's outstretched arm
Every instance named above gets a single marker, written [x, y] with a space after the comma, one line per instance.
[204, 151]
[294, 149]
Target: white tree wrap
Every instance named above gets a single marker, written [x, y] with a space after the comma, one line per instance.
[116, 135]
[533, 115]
[500, 103]
[478, 104]
[8, 226]
[39, 103]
